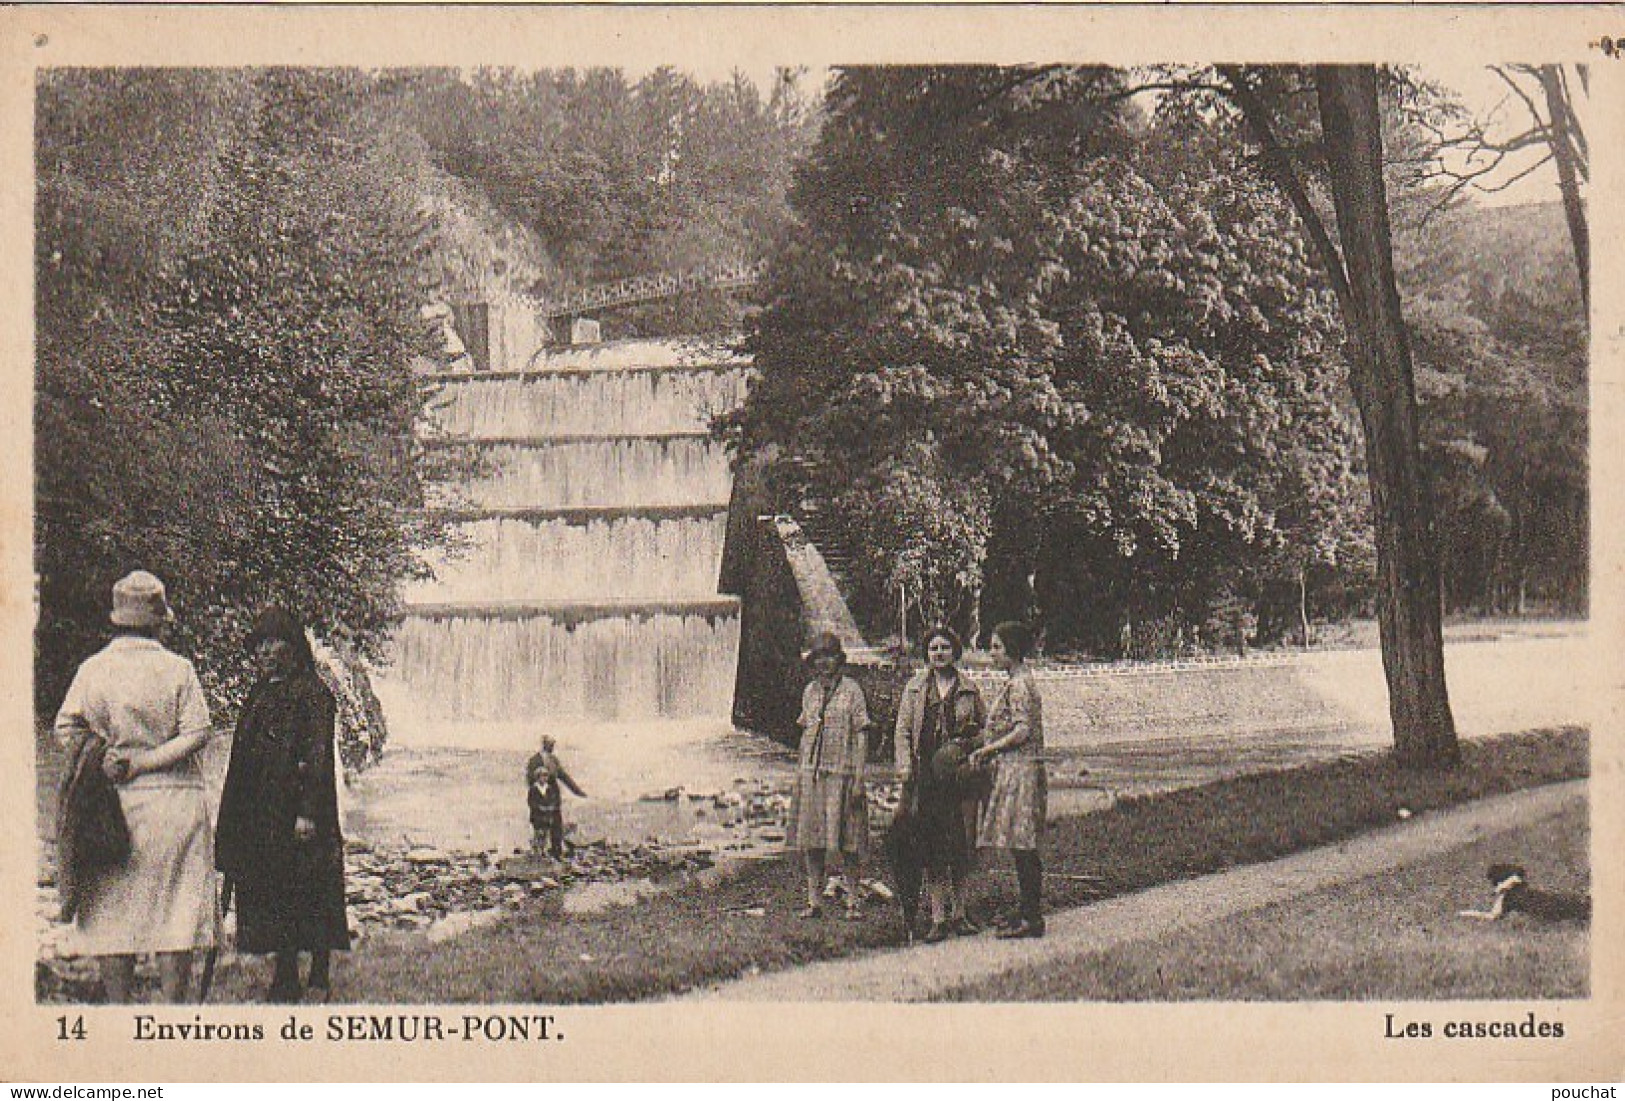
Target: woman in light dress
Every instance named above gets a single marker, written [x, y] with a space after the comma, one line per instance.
[829, 814]
[1014, 817]
[146, 703]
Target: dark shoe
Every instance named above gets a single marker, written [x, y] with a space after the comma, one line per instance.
[1022, 930]
[281, 994]
[938, 933]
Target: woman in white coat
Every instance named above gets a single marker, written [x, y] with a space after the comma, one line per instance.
[146, 703]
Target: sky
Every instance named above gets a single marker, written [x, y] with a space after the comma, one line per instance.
[1481, 92]
[1489, 98]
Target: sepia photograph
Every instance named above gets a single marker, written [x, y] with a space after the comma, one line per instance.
[684, 528]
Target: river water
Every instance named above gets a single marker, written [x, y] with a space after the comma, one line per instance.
[1107, 735]
[474, 799]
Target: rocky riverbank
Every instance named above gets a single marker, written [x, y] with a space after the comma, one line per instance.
[438, 893]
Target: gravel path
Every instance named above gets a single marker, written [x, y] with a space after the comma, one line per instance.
[925, 971]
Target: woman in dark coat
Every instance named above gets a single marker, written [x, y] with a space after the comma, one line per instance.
[278, 839]
[939, 721]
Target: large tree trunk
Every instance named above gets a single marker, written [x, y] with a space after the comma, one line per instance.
[1562, 136]
[1381, 376]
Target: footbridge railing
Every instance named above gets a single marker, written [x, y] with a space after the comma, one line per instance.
[645, 288]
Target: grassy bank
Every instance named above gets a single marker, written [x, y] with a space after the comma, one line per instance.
[698, 934]
[1391, 936]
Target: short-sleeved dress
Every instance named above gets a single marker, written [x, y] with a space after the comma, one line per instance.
[827, 807]
[1014, 815]
[136, 695]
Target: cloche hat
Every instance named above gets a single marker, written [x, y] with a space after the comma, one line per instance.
[825, 643]
[276, 622]
[139, 601]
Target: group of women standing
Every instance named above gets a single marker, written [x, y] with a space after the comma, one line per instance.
[972, 776]
[278, 840]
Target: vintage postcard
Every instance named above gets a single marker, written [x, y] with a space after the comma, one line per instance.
[812, 542]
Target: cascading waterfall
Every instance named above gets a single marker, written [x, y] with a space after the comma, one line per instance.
[599, 473]
[583, 584]
[634, 557]
[579, 402]
[631, 666]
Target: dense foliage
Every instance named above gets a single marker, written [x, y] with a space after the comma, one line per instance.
[229, 307]
[1094, 337]
[615, 177]
[1493, 299]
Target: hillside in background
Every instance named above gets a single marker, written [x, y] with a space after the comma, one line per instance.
[556, 179]
[1493, 303]
[1516, 255]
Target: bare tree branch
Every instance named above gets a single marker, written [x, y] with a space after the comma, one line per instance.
[1577, 137]
[1241, 93]
[1461, 181]
[1528, 101]
[1165, 86]
[1564, 127]
[1021, 78]
[1504, 184]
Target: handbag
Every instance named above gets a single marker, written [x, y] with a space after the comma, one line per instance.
[952, 770]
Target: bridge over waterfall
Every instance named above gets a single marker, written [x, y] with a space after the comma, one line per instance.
[519, 332]
[736, 275]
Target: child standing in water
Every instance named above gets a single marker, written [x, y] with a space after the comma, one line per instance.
[543, 775]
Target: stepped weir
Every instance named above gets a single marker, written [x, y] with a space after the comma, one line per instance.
[583, 587]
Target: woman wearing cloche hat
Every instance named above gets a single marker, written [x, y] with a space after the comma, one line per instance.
[828, 810]
[147, 705]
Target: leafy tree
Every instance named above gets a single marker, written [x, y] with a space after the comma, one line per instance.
[616, 177]
[243, 435]
[127, 173]
[1500, 345]
[1013, 286]
[1335, 111]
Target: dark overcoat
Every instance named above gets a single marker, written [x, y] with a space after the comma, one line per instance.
[290, 893]
[944, 809]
